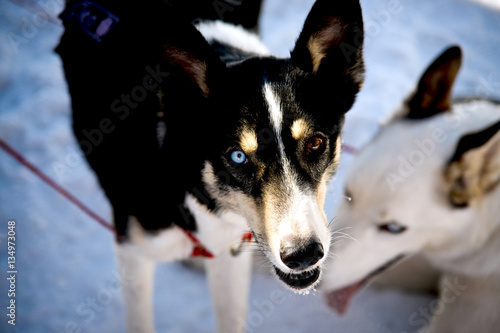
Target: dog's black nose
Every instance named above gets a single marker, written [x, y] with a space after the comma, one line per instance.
[301, 257]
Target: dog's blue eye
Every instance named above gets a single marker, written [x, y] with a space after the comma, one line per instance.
[392, 228]
[238, 157]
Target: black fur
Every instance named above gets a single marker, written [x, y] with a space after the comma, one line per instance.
[139, 176]
[298, 92]
[155, 46]
[433, 95]
[474, 140]
[240, 12]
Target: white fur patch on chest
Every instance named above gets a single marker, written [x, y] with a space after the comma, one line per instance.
[217, 233]
[167, 245]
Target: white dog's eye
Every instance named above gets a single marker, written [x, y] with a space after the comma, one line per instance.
[348, 195]
[392, 227]
[238, 157]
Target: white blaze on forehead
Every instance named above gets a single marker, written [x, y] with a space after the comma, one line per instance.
[275, 112]
[288, 178]
[276, 117]
[289, 211]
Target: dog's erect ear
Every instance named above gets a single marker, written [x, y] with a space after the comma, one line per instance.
[474, 169]
[187, 49]
[433, 93]
[331, 41]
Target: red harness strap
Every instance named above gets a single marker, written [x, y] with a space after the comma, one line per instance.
[198, 250]
[247, 237]
[201, 251]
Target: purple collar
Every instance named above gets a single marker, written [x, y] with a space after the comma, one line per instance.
[93, 19]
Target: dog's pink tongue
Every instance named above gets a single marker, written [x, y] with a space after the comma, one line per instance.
[339, 299]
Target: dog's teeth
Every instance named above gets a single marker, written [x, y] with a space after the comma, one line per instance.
[302, 291]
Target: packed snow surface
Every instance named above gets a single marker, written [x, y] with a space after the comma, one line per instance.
[67, 273]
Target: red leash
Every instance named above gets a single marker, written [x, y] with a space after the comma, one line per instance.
[49, 181]
[349, 149]
[198, 251]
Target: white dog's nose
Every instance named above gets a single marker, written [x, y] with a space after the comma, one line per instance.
[302, 256]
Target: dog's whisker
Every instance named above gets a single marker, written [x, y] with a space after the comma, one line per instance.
[346, 236]
[339, 231]
[336, 242]
[338, 235]
[342, 229]
[331, 221]
[332, 255]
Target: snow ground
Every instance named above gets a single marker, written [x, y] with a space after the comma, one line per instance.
[65, 260]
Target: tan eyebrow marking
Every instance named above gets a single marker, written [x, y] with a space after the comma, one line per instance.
[300, 128]
[248, 141]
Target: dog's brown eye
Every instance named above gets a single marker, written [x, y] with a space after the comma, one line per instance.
[315, 144]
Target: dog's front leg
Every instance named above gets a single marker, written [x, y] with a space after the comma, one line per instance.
[228, 276]
[136, 272]
[229, 281]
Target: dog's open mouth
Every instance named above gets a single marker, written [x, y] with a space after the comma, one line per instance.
[339, 299]
[299, 281]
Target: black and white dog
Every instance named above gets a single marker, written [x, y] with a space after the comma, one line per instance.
[197, 133]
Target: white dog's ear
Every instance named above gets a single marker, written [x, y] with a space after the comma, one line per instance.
[474, 169]
[331, 42]
[433, 93]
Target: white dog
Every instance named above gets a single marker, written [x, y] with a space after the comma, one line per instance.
[428, 183]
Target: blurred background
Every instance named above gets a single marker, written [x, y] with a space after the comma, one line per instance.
[67, 277]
